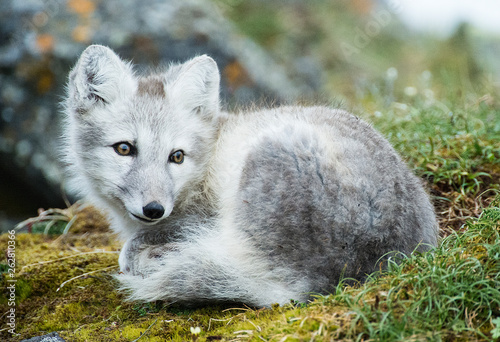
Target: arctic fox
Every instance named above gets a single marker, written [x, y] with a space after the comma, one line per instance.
[256, 207]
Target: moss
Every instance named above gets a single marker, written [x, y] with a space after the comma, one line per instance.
[43, 263]
[23, 290]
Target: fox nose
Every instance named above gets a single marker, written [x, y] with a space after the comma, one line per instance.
[153, 210]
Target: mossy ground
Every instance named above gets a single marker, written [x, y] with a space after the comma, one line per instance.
[451, 294]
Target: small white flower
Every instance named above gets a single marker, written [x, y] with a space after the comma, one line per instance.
[426, 76]
[411, 91]
[195, 331]
[392, 73]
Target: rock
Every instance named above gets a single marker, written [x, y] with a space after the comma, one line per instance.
[41, 40]
[52, 337]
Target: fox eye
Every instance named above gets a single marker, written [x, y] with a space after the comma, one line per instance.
[124, 149]
[177, 157]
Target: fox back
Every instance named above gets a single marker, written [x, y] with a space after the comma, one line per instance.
[255, 207]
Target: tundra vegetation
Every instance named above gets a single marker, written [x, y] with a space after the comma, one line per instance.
[435, 102]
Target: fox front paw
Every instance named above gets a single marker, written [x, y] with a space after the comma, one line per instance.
[142, 259]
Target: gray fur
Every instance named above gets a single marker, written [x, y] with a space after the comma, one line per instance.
[268, 206]
[346, 225]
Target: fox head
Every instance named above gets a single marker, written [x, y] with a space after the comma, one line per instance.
[137, 145]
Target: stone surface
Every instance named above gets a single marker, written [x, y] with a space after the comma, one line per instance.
[52, 337]
[41, 39]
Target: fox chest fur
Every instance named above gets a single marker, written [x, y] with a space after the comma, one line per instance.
[257, 207]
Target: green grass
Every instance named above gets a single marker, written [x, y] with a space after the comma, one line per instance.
[444, 141]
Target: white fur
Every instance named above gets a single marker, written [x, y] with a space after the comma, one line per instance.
[199, 250]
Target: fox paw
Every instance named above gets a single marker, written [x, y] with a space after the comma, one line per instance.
[142, 259]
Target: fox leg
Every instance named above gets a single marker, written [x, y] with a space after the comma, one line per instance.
[141, 253]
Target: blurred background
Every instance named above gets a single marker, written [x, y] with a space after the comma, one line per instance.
[371, 57]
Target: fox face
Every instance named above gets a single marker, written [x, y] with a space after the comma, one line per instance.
[139, 144]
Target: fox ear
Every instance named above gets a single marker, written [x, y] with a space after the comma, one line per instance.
[197, 86]
[99, 77]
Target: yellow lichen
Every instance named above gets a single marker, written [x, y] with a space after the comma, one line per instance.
[82, 7]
